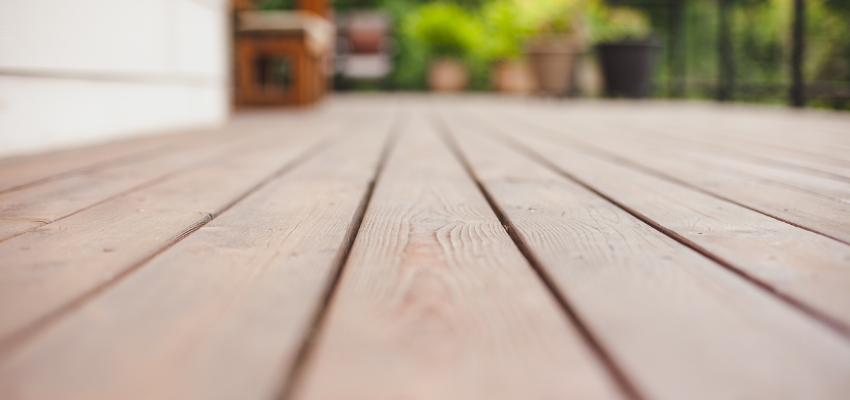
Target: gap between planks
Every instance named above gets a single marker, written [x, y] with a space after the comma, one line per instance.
[20, 336]
[628, 161]
[308, 344]
[822, 317]
[764, 319]
[183, 160]
[184, 263]
[428, 221]
[628, 388]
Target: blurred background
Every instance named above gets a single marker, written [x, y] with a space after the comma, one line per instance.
[734, 50]
[75, 72]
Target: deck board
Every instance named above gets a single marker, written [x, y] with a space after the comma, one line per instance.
[52, 266]
[511, 248]
[436, 302]
[258, 273]
[40, 204]
[809, 268]
[622, 276]
[808, 210]
[24, 171]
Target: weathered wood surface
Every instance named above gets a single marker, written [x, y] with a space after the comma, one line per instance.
[249, 281]
[621, 277]
[809, 268]
[649, 251]
[818, 213]
[436, 302]
[36, 205]
[54, 265]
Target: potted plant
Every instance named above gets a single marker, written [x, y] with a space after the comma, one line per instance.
[553, 47]
[506, 29]
[626, 49]
[450, 34]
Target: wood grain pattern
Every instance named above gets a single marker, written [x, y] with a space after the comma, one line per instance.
[16, 172]
[809, 268]
[827, 216]
[436, 302]
[23, 170]
[760, 141]
[679, 325]
[728, 141]
[48, 267]
[223, 313]
[200, 266]
[37, 205]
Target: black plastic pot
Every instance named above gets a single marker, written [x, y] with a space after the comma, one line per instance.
[628, 67]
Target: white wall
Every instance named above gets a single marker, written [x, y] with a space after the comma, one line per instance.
[74, 72]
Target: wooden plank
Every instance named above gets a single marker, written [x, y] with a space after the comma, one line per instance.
[37, 205]
[814, 127]
[807, 268]
[664, 142]
[34, 206]
[23, 171]
[831, 160]
[436, 302]
[676, 323]
[826, 216]
[222, 314]
[836, 188]
[760, 141]
[48, 268]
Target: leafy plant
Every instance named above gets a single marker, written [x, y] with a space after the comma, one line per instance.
[552, 17]
[506, 28]
[341, 6]
[613, 24]
[838, 5]
[276, 5]
[445, 29]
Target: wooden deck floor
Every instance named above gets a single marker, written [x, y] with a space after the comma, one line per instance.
[399, 247]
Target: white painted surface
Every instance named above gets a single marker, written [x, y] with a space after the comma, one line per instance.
[40, 114]
[83, 71]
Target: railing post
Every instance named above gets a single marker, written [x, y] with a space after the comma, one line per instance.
[726, 67]
[676, 49]
[798, 88]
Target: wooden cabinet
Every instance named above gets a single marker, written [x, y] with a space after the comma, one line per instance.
[282, 56]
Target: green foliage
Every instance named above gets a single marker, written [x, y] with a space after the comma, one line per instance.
[349, 5]
[506, 28]
[410, 56]
[761, 34]
[842, 6]
[612, 24]
[761, 37]
[275, 5]
[446, 29]
[827, 55]
[552, 17]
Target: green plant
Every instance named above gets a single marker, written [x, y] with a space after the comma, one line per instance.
[506, 28]
[445, 29]
[552, 17]
[612, 24]
[342, 6]
[275, 5]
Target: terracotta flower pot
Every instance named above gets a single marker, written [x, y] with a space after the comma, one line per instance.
[447, 75]
[513, 76]
[552, 59]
